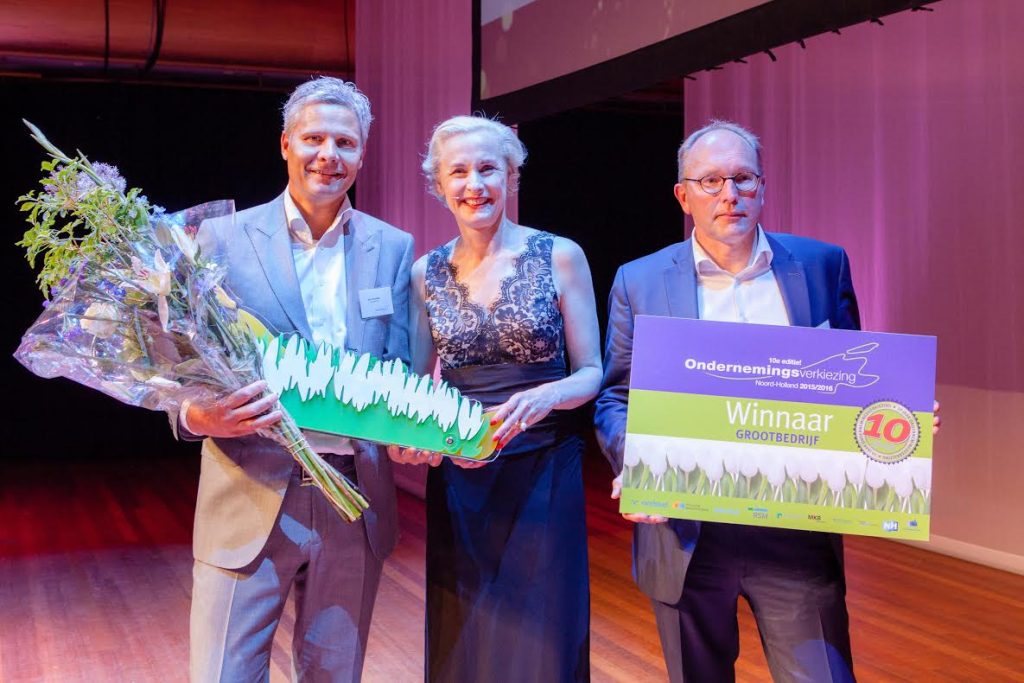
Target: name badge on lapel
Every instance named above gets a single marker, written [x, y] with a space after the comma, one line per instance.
[375, 302]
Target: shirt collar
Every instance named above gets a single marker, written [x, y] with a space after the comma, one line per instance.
[760, 258]
[298, 227]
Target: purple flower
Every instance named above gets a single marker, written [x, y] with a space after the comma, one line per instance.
[51, 188]
[110, 175]
[84, 185]
[106, 173]
[111, 290]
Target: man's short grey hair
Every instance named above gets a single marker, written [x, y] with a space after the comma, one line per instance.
[512, 148]
[713, 125]
[328, 90]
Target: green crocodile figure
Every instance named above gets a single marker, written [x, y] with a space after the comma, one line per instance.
[360, 396]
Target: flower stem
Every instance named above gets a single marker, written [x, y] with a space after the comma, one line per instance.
[338, 490]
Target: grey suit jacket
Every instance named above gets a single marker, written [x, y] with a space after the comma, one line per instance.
[814, 278]
[243, 481]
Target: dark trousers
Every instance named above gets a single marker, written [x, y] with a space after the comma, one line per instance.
[793, 581]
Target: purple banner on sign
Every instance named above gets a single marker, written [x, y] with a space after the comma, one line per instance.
[810, 365]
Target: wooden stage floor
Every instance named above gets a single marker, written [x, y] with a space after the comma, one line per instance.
[95, 579]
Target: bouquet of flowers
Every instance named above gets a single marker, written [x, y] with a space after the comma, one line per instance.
[136, 310]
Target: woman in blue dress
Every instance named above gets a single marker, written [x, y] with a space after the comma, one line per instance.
[503, 305]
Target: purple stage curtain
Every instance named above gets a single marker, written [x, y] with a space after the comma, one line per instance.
[904, 144]
[414, 62]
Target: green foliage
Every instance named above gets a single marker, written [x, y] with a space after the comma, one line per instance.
[132, 319]
[79, 214]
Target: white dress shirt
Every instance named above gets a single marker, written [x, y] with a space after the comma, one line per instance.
[750, 296]
[320, 268]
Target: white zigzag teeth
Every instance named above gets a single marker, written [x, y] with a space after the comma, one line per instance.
[319, 372]
[290, 363]
[476, 415]
[392, 386]
[470, 413]
[356, 390]
[422, 404]
[447, 406]
[287, 366]
[276, 379]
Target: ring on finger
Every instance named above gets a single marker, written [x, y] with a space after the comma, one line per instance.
[523, 425]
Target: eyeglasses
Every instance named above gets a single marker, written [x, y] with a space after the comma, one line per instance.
[713, 184]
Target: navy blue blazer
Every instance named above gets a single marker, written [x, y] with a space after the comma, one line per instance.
[814, 278]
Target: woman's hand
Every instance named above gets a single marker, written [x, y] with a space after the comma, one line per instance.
[523, 409]
[414, 456]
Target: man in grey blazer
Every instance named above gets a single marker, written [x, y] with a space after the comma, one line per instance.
[305, 262]
[695, 572]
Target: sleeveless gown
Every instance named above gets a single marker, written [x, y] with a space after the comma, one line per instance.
[508, 595]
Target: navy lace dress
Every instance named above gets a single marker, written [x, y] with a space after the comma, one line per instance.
[508, 595]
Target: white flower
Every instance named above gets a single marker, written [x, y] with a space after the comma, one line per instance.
[774, 467]
[682, 456]
[808, 465]
[631, 453]
[855, 468]
[921, 471]
[156, 281]
[874, 475]
[731, 461]
[185, 242]
[710, 460]
[656, 461]
[899, 477]
[672, 450]
[834, 470]
[100, 320]
[748, 465]
[794, 462]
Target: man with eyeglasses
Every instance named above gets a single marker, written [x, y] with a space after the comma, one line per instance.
[694, 573]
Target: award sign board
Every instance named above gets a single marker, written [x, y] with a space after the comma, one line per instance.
[794, 427]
